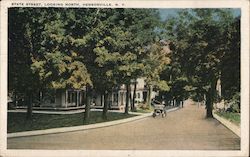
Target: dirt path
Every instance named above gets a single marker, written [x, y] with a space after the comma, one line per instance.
[184, 129]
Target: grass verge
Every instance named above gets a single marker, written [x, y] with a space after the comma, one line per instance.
[17, 121]
[232, 117]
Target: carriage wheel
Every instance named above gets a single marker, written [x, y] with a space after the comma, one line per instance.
[154, 115]
[164, 114]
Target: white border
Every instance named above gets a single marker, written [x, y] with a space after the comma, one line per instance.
[243, 4]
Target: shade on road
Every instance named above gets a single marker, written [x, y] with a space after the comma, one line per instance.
[184, 129]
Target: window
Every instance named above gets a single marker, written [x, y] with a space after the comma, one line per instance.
[48, 96]
[71, 97]
[115, 98]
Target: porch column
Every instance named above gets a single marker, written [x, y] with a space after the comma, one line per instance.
[80, 98]
[118, 99]
[66, 98]
[77, 98]
[112, 98]
[102, 100]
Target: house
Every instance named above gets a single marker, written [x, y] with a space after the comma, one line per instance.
[117, 98]
[56, 99]
[75, 99]
[62, 98]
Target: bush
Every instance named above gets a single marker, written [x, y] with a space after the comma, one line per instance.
[234, 103]
[143, 106]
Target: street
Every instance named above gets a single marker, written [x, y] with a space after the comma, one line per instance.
[184, 129]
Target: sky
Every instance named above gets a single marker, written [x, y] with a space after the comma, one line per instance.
[167, 13]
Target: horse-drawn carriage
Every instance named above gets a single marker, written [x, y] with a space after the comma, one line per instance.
[159, 109]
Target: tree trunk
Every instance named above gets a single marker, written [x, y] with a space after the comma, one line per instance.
[131, 101]
[210, 98]
[150, 88]
[209, 104]
[105, 107]
[29, 106]
[177, 102]
[127, 98]
[87, 104]
[15, 99]
[134, 96]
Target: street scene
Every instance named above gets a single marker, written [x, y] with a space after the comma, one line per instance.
[124, 79]
[184, 129]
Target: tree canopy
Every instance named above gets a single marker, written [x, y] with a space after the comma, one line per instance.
[102, 48]
[200, 48]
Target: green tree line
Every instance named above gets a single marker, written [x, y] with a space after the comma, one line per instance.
[74, 48]
[206, 47]
[100, 49]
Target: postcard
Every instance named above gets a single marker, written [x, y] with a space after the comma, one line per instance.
[124, 78]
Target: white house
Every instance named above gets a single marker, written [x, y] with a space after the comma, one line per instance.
[61, 99]
[74, 99]
[117, 99]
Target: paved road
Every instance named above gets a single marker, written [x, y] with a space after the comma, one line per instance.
[184, 129]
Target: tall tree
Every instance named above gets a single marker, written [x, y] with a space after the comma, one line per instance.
[54, 56]
[155, 63]
[130, 32]
[21, 81]
[198, 35]
[230, 66]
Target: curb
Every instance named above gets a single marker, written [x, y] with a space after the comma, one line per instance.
[58, 112]
[83, 127]
[46, 112]
[234, 128]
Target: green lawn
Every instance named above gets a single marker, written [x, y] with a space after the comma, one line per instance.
[17, 121]
[233, 117]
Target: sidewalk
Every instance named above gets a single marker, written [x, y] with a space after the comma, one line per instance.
[233, 127]
[65, 112]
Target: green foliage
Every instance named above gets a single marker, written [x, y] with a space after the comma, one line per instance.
[62, 71]
[155, 63]
[74, 48]
[62, 42]
[120, 50]
[54, 54]
[234, 103]
[60, 48]
[20, 77]
[59, 63]
[144, 108]
[199, 46]
[230, 66]
[202, 42]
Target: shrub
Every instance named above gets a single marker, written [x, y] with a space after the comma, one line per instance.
[234, 103]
